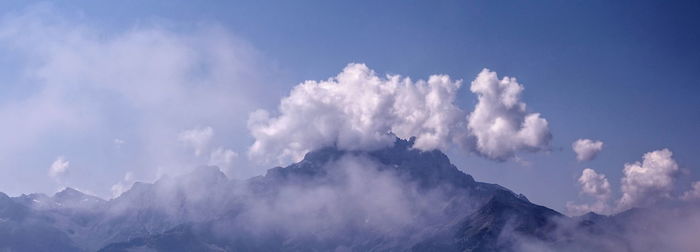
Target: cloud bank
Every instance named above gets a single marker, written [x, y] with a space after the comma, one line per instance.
[586, 149]
[357, 109]
[140, 85]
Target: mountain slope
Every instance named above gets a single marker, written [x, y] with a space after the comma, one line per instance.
[449, 204]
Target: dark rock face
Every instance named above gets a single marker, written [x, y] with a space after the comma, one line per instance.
[393, 199]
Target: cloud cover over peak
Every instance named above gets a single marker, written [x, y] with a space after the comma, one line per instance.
[357, 109]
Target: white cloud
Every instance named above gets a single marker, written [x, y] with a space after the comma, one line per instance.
[144, 83]
[357, 110]
[59, 168]
[586, 149]
[595, 185]
[499, 124]
[644, 183]
[197, 138]
[222, 158]
[693, 193]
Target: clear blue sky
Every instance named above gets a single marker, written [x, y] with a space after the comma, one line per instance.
[623, 72]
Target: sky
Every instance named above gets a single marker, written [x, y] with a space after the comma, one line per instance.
[97, 95]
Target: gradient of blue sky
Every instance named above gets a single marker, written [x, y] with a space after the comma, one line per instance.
[621, 72]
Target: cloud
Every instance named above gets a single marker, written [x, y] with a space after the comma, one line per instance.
[222, 158]
[693, 193]
[594, 185]
[644, 183]
[123, 185]
[118, 142]
[144, 83]
[59, 168]
[197, 138]
[586, 149]
[355, 196]
[499, 124]
[357, 110]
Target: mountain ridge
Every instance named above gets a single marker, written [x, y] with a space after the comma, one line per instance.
[396, 198]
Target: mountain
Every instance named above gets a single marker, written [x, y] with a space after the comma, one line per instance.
[393, 199]
[457, 203]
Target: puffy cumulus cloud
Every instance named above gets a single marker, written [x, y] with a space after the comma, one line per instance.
[59, 168]
[644, 183]
[197, 138]
[358, 109]
[595, 185]
[499, 125]
[693, 193]
[586, 149]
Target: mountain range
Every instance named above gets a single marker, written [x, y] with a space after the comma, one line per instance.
[391, 199]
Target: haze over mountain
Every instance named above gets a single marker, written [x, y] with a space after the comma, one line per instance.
[327, 125]
[395, 198]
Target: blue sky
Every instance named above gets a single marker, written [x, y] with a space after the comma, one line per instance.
[620, 72]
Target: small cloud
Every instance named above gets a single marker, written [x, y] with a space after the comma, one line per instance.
[586, 149]
[59, 168]
[123, 185]
[197, 138]
[118, 142]
[595, 185]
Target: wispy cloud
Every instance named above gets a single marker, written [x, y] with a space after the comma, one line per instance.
[145, 84]
[59, 168]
